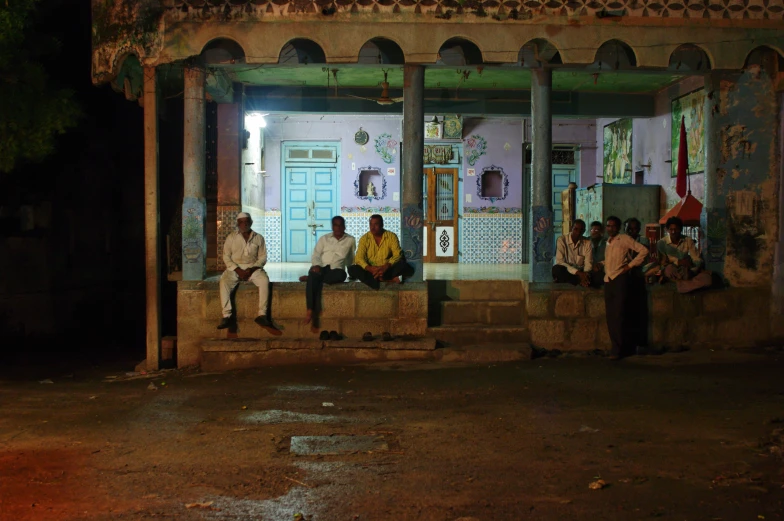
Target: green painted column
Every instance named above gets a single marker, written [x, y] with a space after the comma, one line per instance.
[542, 241]
[194, 204]
[412, 216]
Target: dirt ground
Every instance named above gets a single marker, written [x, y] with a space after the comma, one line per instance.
[688, 436]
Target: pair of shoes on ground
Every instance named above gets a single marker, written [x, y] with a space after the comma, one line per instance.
[262, 321]
[385, 336]
[330, 335]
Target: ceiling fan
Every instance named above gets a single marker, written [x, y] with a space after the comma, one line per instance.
[384, 99]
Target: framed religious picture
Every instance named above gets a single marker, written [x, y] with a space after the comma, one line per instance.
[617, 148]
[690, 106]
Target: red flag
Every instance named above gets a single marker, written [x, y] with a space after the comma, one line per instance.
[683, 161]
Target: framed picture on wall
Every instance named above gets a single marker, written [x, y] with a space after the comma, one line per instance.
[617, 148]
[690, 106]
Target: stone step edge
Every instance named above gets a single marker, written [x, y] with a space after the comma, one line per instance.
[235, 345]
[466, 327]
[485, 302]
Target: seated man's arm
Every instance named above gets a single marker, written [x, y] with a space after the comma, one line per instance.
[261, 257]
[696, 260]
[361, 259]
[315, 259]
[560, 255]
[641, 250]
[230, 264]
[395, 250]
[350, 254]
[588, 266]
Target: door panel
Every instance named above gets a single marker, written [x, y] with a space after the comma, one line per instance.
[310, 198]
[440, 204]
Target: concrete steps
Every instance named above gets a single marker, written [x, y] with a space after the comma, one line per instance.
[483, 312]
[466, 335]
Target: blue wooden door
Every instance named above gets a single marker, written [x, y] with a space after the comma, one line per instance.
[310, 202]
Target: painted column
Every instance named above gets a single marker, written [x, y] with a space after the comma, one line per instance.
[194, 206]
[714, 211]
[152, 219]
[541, 222]
[229, 152]
[413, 153]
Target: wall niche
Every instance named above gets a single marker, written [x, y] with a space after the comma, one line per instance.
[492, 184]
[370, 184]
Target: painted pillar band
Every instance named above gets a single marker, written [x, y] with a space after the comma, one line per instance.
[152, 219]
[542, 241]
[194, 206]
[413, 153]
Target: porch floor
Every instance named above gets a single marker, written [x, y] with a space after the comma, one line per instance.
[291, 271]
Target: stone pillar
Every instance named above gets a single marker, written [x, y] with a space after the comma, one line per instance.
[413, 153]
[229, 145]
[542, 240]
[152, 219]
[194, 205]
[714, 209]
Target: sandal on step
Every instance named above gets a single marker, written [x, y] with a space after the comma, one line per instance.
[385, 336]
[367, 337]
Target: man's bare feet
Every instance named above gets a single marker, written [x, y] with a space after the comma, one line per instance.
[303, 278]
[308, 317]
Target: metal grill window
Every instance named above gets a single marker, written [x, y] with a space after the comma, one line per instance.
[563, 157]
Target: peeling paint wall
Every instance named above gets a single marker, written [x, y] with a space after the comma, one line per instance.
[744, 187]
[777, 302]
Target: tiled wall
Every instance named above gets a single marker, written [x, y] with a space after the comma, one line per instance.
[272, 233]
[492, 238]
[227, 223]
[357, 222]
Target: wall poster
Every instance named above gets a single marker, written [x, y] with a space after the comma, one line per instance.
[691, 107]
[617, 146]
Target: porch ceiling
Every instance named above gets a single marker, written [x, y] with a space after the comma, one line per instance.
[462, 78]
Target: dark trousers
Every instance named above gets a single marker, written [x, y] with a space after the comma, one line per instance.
[616, 296]
[399, 269]
[561, 275]
[638, 308]
[316, 281]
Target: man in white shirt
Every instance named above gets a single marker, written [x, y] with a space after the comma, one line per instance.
[574, 257]
[332, 254]
[617, 265]
[245, 255]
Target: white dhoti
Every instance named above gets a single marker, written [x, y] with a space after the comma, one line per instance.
[229, 281]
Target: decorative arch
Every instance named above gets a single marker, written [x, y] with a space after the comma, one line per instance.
[377, 51]
[129, 78]
[689, 58]
[223, 51]
[301, 51]
[614, 55]
[459, 51]
[756, 56]
[538, 52]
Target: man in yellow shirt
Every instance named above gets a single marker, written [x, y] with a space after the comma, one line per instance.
[379, 257]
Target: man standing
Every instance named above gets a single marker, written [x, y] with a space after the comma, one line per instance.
[637, 294]
[574, 257]
[332, 254]
[245, 255]
[616, 284]
[379, 257]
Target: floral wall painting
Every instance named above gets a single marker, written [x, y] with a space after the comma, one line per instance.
[690, 106]
[386, 147]
[476, 147]
[453, 126]
[434, 130]
[617, 146]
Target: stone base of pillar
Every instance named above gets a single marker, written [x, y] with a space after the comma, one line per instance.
[411, 238]
[542, 244]
[227, 223]
[194, 239]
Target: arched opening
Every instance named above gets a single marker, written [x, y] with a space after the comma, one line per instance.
[223, 51]
[459, 51]
[381, 51]
[689, 58]
[130, 77]
[301, 51]
[614, 55]
[538, 52]
[764, 57]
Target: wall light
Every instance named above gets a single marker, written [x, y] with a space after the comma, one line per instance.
[255, 120]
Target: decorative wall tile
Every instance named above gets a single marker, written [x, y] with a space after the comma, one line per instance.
[492, 238]
[227, 223]
[272, 235]
[357, 223]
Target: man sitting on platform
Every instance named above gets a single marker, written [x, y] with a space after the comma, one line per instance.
[245, 255]
[679, 259]
[599, 244]
[573, 257]
[379, 257]
[333, 252]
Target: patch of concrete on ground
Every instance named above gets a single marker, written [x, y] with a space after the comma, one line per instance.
[335, 445]
[166, 411]
[301, 388]
[324, 484]
[275, 416]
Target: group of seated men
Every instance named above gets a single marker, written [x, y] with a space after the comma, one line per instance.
[378, 259]
[580, 260]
